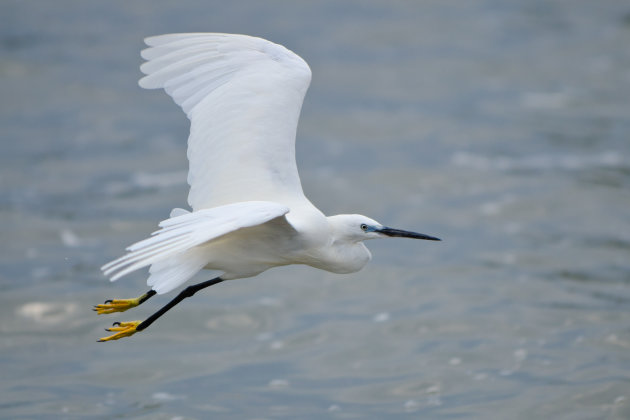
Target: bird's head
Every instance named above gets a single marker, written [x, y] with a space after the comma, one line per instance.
[356, 228]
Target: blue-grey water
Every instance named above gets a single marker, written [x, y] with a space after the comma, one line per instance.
[502, 127]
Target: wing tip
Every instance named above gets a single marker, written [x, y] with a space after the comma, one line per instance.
[163, 39]
[144, 84]
[157, 40]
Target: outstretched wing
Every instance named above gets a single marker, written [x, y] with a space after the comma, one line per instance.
[183, 233]
[243, 96]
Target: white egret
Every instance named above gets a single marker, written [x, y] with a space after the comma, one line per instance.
[243, 97]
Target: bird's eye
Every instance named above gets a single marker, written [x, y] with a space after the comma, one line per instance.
[364, 227]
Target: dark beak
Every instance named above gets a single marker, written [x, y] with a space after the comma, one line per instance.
[406, 234]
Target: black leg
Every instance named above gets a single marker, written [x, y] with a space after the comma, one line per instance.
[187, 292]
[146, 296]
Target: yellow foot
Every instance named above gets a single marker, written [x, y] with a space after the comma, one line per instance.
[116, 305]
[122, 329]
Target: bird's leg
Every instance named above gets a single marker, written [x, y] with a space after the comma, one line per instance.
[125, 329]
[121, 305]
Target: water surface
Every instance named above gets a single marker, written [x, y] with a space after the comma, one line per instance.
[501, 127]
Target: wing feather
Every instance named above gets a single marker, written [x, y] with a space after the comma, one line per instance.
[243, 96]
[186, 231]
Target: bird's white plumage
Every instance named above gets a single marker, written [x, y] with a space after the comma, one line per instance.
[169, 273]
[179, 235]
[243, 96]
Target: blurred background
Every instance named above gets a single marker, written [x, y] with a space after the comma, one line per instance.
[500, 126]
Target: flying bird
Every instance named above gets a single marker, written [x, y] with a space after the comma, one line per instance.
[243, 96]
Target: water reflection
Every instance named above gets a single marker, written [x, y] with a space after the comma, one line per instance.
[48, 314]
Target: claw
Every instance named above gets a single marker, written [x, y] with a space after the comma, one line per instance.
[116, 305]
[122, 329]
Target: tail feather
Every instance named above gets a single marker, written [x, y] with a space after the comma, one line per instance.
[168, 274]
[178, 212]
